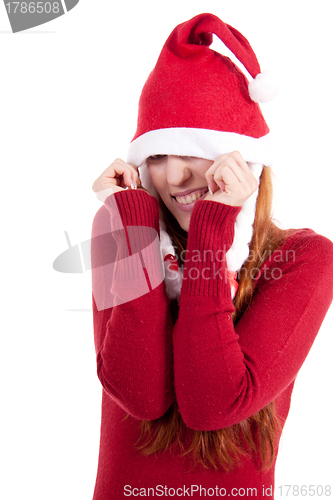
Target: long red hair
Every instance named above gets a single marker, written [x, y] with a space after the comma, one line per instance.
[224, 447]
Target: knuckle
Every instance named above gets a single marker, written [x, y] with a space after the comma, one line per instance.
[221, 157]
[255, 184]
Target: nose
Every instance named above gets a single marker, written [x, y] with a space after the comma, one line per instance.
[178, 170]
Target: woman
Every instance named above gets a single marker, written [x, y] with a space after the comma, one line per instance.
[198, 368]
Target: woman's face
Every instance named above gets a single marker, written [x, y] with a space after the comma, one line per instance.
[180, 181]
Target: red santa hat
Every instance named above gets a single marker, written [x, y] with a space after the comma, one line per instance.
[197, 102]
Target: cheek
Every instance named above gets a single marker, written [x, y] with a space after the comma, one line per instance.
[156, 177]
[203, 167]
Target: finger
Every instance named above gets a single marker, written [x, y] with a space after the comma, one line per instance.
[243, 172]
[220, 184]
[236, 155]
[107, 177]
[128, 171]
[228, 175]
[236, 169]
[104, 193]
[118, 173]
[209, 175]
[100, 184]
[130, 177]
[216, 173]
[235, 192]
[248, 174]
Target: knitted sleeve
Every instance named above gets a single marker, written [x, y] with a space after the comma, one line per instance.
[225, 373]
[132, 323]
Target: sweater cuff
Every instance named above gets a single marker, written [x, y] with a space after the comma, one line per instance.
[135, 207]
[210, 236]
[132, 247]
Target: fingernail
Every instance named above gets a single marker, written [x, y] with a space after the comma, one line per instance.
[211, 192]
[132, 185]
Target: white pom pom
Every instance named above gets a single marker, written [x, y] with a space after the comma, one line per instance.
[265, 86]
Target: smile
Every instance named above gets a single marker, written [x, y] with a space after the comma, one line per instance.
[186, 202]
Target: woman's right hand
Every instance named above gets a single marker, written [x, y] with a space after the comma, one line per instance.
[117, 177]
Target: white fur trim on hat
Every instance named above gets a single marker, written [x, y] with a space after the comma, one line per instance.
[202, 143]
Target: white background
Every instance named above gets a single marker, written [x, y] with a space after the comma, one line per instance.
[68, 101]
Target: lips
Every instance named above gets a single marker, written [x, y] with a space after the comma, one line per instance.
[186, 200]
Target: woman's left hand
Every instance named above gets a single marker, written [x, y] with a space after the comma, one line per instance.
[230, 180]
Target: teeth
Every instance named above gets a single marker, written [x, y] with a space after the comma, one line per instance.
[190, 198]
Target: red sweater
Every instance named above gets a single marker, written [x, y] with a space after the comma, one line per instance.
[220, 374]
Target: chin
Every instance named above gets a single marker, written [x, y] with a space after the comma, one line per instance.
[183, 219]
[185, 225]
